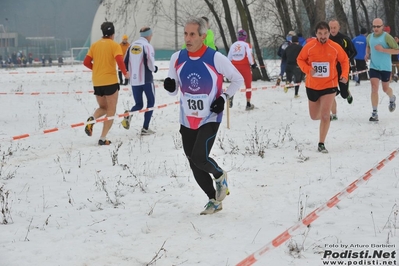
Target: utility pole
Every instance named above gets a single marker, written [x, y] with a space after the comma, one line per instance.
[176, 32]
[5, 31]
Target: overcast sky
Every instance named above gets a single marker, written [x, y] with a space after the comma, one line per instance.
[43, 18]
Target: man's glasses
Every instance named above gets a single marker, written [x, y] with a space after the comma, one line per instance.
[377, 26]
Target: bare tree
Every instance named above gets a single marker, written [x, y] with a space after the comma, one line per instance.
[341, 16]
[243, 15]
[316, 11]
[299, 26]
[229, 21]
[218, 21]
[256, 43]
[366, 15]
[282, 8]
[390, 8]
[320, 10]
[355, 17]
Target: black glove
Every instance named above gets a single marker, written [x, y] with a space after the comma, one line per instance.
[169, 84]
[218, 105]
[156, 69]
[254, 66]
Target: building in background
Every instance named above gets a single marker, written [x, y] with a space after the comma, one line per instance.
[45, 27]
[8, 40]
[132, 19]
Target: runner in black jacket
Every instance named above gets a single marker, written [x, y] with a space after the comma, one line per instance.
[346, 43]
[292, 69]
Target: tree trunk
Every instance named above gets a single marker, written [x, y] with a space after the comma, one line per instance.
[341, 16]
[217, 18]
[316, 11]
[243, 16]
[255, 42]
[229, 22]
[282, 9]
[320, 10]
[310, 11]
[366, 15]
[299, 27]
[355, 17]
[390, 7]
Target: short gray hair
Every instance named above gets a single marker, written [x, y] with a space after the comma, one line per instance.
[202, 27]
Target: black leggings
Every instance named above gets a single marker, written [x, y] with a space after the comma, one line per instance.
[197, 145]
[343, 87]
[294, 71]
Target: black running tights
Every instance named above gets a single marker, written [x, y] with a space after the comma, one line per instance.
[197, 145]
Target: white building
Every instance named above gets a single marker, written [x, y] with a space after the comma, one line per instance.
[137, 15]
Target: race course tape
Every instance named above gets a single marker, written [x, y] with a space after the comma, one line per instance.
[53, 72]
[112, 117]
[99, 120]
[311, 217]
[156, 86]
[44, 72]
[35, 93]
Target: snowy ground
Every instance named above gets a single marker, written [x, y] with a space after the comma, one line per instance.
[67, 201]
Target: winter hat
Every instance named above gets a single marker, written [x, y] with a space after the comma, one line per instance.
[294, 39]
[124, 37]
[363, 31]
[108, 29]
[387, 29]
[291, 33]
[145, 32]
[241, 35]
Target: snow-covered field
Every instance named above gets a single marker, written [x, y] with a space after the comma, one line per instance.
[67, 201]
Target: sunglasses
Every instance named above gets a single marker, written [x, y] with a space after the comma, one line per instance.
[377, 26]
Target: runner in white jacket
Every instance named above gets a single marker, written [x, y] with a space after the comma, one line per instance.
[198, 71]
[139, 60]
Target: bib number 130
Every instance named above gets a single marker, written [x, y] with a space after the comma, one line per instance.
[195, 104]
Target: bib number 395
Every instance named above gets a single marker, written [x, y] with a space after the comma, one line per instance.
[322, 69]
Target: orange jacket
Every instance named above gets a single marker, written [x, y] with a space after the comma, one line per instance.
[102, 58]
[124, 47]
[323, 58]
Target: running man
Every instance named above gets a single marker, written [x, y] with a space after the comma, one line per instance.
[102, 58]
[124, 45]
[346, 43]
[292, 70]
[318, 60]
[240, 54]
[198, 71]
[140, 62]
[380, 47]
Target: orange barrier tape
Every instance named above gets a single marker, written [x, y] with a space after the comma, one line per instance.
[99, 120]
[311, 217]
[44, 72]
[35, 93]
[156, 86]
[53, 72]
[121, 115]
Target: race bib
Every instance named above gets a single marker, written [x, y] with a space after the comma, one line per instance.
[196, 104]
[322, 69]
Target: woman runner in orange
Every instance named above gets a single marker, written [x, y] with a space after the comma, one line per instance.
[318, 60]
